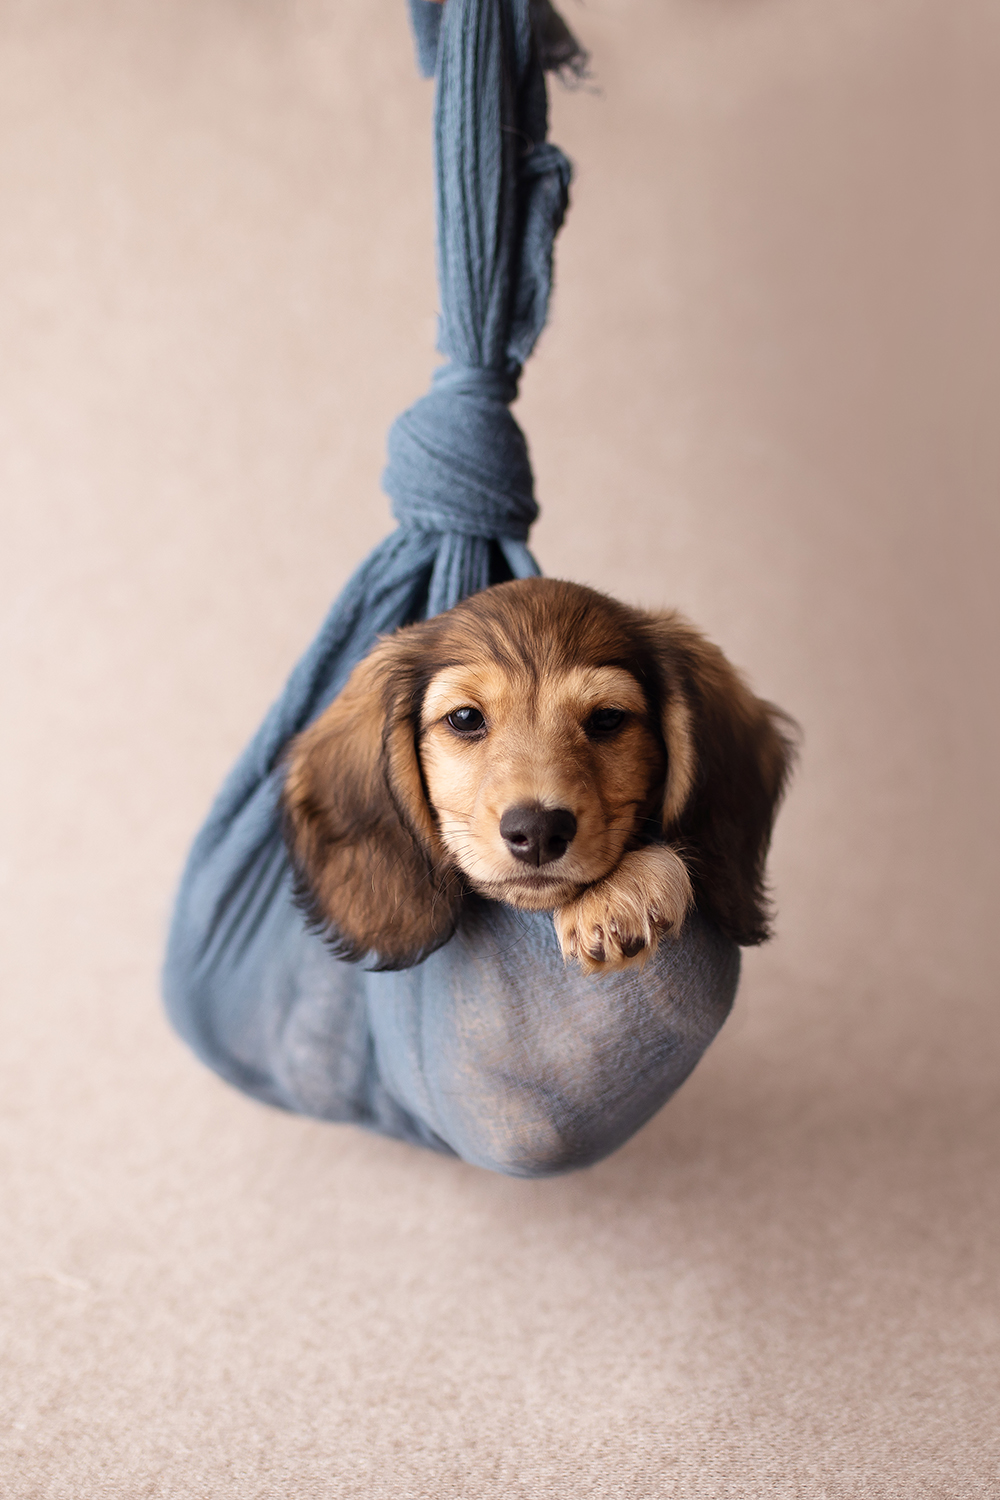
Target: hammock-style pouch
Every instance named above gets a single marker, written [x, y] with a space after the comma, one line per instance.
[492, 1048]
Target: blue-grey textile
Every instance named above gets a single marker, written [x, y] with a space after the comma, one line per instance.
[490, 1049]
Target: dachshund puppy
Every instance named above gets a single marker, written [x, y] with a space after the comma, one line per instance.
[544, 746]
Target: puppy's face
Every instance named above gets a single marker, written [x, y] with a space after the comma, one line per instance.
[539, 781]
[520, 744]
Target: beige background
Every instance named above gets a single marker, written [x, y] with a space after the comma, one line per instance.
[766, 394]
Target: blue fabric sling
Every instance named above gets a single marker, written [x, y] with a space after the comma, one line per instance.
[491, 1049]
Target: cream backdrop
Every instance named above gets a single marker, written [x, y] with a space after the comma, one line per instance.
[765, 395]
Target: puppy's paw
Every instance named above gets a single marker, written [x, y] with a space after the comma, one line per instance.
[618, 922]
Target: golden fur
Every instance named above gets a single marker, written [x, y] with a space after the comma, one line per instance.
[633, 771]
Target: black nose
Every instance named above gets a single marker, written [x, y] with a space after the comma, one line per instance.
[537, 834]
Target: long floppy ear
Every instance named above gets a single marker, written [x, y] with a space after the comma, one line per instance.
[729, 755]
[370, 869]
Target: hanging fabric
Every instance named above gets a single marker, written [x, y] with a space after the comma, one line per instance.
[491, 1049]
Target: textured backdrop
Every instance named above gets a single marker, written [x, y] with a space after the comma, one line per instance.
[765, 395]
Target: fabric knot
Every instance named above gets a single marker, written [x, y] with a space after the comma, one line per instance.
[474, 380]
[458, 461]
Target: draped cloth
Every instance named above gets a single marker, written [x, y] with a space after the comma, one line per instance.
[491, 1049]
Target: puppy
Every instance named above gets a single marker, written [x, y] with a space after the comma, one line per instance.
[544, 746]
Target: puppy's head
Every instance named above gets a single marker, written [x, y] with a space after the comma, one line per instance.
[519, 745]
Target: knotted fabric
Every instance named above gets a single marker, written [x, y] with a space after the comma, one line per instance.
[458, 463]
[491, 1049]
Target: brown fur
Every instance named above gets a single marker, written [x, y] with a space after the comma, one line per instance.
[392, 818]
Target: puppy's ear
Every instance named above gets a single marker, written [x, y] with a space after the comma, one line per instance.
[728, 755]
[370, 868]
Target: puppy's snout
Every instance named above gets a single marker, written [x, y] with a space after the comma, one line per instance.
[537, 835]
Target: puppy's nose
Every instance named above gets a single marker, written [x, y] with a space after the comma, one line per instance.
[537, 835]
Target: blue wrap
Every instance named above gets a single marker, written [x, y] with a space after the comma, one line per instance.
[491, 1048]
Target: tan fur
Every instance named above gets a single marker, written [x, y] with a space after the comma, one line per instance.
[677, 731]
[620, 920]
[537, 751]
[391, 814]
[363, 840]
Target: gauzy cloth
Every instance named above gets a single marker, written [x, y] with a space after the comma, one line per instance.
[491, 1049]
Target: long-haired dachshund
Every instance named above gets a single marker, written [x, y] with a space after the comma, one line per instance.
[545, 746]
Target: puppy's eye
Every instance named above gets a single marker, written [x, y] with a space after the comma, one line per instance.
[466, 720]
[604, 721]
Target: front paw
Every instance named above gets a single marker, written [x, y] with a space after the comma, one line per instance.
[618, 922]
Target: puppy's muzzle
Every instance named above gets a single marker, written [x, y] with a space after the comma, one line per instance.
[537, 835]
